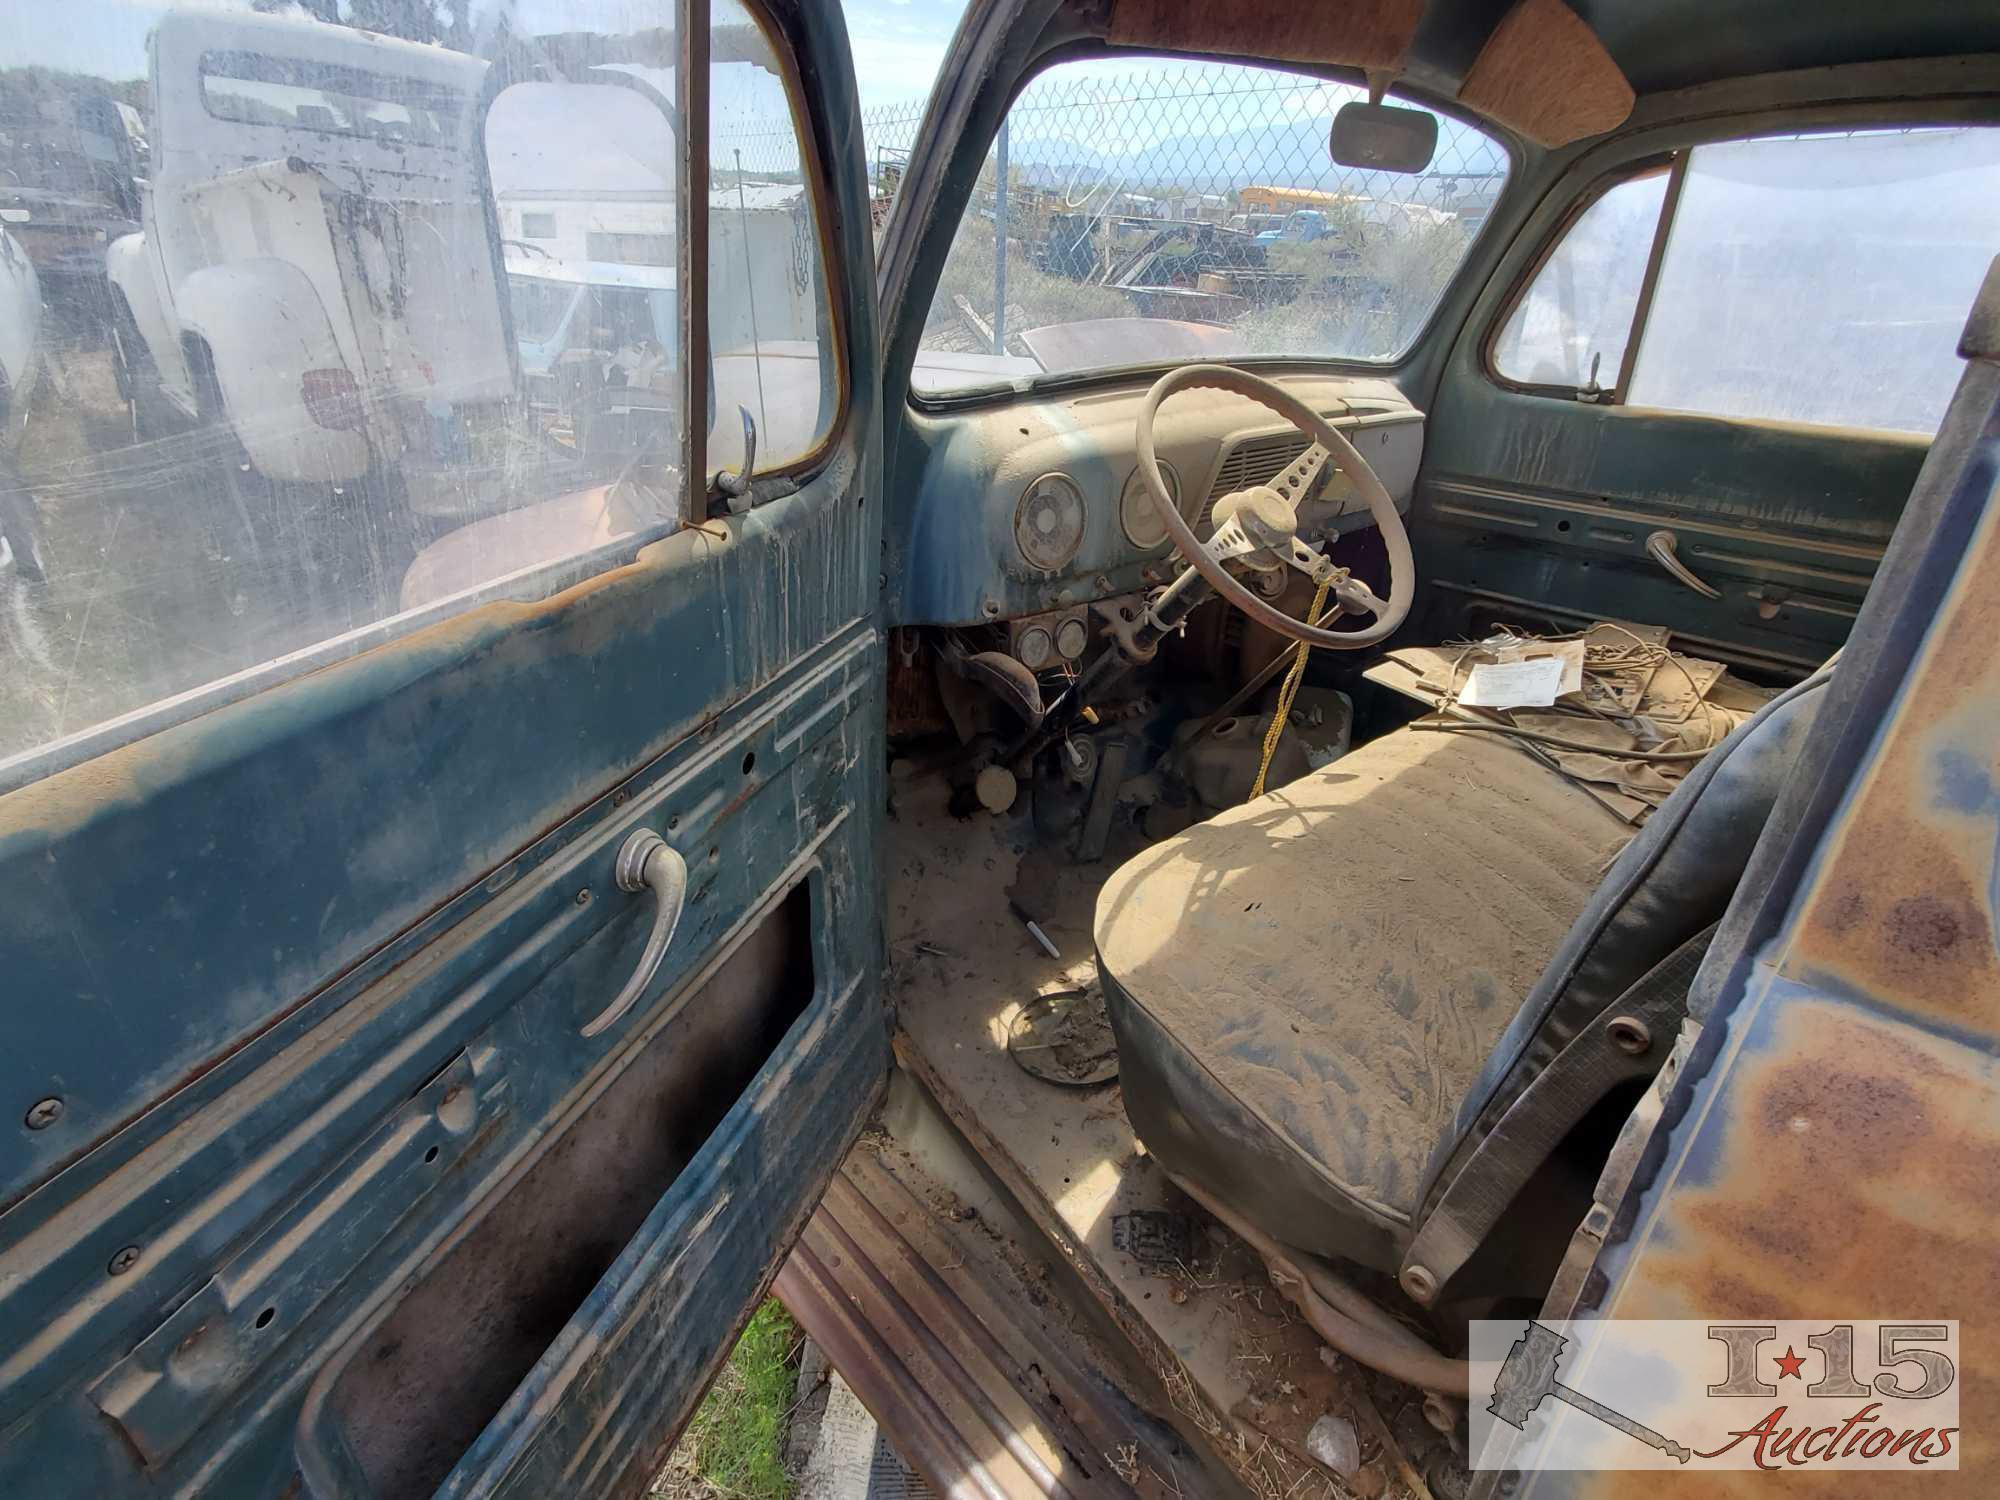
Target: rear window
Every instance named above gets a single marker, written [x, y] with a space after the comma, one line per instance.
[255, 88]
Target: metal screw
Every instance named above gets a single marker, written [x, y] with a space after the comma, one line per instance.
[43, 1113]
[1629, 1034]
[583, 897]
[124, 1260]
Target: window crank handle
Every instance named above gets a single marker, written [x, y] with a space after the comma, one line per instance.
[1661, 545]
[647, 862]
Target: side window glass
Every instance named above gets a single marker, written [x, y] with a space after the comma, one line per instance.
[1823, 278]
[898, 49]
[310, 334]
[1571, 326]
[768, 326]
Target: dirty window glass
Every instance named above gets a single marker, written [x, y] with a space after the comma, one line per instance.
[311, 333]
[767, 307]
[898, 49]
[1823, 278]
[254, 88]
[1170, 210]
[1572, 325]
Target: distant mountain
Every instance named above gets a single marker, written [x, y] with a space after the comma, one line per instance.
[1288, 154]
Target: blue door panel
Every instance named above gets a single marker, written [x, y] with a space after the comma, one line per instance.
[297, 1177]
[155, 936]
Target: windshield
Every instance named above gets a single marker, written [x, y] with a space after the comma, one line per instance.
[1178, 205]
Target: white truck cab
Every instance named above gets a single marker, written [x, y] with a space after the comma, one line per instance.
[317, 267]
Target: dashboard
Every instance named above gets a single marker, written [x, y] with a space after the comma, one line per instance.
[1038, 506]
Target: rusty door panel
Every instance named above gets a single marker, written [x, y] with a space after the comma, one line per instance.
[1832, 1146]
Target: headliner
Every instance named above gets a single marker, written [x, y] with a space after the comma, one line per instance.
[1671, 44]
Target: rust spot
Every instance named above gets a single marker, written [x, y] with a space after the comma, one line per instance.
[1846, 909]
[1861, 1161]
[1924, 925]
[1904, 911]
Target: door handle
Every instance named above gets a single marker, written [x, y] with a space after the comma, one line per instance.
[647, 862]
[1660, 546]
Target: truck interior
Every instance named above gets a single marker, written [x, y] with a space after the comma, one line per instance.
[1382, 1009]
[1145, 822]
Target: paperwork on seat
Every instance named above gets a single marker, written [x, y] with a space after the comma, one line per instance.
[1535, 683]
[1613, 709]
[1529, 675]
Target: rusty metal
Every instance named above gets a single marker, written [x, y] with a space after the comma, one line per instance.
[973, 1398]
[1828, 1129]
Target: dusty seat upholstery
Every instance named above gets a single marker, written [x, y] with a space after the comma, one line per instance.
[1323, 995]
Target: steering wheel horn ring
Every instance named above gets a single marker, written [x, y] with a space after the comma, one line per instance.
[1263, 517]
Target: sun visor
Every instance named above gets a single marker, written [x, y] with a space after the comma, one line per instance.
[1544, 74]
[1370, 34]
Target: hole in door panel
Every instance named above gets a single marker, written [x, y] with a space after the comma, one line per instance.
[431, 1376]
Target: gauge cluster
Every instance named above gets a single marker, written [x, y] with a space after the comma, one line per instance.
[1027, 509]
[1139, 513]
[1044, 642]
[1048, 523]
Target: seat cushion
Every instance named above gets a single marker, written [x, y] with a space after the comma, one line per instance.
[1303, 987]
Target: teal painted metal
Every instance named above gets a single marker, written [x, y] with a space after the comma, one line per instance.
[259, 1007]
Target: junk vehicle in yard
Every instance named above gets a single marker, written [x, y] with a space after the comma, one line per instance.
[316, 267]
[1150, 899]
[20, 368]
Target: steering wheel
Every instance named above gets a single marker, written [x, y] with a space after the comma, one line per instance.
[1263, 520]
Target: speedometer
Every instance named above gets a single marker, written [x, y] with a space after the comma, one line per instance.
[1138, 513]
[1048, 523]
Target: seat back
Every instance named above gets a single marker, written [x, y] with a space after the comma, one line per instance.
[1607, 1007]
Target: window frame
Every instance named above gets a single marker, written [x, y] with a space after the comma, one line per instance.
[1600, 187]
[1070, 382]
[1674, 146]
[705, 499]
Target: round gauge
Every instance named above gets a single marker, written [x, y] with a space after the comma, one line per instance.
[1048, 523]
[1032, 648]
[1139, 515]
[1071, 637]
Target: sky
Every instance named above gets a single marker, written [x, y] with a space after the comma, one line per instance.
[898, 44]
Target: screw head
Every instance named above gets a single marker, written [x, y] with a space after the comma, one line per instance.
[583, 897]
[43, 1113]
[124, 1260]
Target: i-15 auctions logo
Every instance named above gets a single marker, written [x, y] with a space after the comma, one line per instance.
[1853, 1394]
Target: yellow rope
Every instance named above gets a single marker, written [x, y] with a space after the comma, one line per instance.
[1287, 693]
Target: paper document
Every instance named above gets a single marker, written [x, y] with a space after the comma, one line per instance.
[1514, 684]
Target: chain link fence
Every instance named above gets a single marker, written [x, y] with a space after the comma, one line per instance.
[1202, 195]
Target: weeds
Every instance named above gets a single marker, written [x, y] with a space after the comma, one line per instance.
[734, 1448]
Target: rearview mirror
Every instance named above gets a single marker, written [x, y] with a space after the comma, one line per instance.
[1383, 138]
